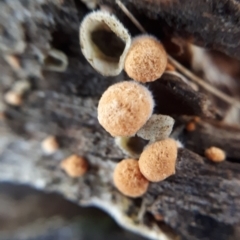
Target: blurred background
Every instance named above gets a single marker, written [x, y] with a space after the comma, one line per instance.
[28, 214]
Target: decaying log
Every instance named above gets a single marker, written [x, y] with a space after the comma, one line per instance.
[213, 24]
[176, 97]
[211, 133]
[201, 201]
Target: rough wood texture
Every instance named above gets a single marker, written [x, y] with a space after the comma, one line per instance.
[200, 202]
[209, 134]
[213, 24]
[180, 98]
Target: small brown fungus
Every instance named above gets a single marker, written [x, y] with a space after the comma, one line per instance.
[128, 179]
[50, 145]
[13, 98]
[146, 60]
[215, 154]
[124, 108]
[158, 160]
[75, 166]
[191, 126]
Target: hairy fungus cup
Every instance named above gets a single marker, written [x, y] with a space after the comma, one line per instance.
[158, 160]
[104, 42]
[128, 178]
[146, 60]
[124, 108]
[215, 154]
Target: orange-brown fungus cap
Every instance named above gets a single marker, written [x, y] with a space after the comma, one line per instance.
[146, 59]
[158, 160]
[124, 108]
[74, 166]
[215, 154]
[191, 126]
[128, 178]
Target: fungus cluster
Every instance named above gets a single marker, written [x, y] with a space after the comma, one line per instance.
[107, 46]
[125, 108]
[156, 163]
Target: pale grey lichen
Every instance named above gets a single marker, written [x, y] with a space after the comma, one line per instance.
[158, 127]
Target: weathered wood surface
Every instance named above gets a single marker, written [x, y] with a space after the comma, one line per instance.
[213, 24]
[202, 201]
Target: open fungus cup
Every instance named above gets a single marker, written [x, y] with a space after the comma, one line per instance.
[104, 42]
